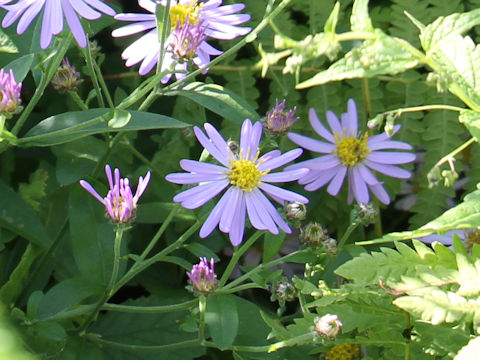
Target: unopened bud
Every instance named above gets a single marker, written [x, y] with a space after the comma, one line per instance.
[202, 278]
[364, 214]
[295, 211]
[328, 326]
[313, 235]
[278, 121]
[9, 94]
[66, 78]
[283, 291]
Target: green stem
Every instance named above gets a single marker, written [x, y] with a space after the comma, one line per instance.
[261, 267]
[140, 156]
[183, 344]
[450, 156]
[87, 54]
[202, 307]
[408, 339]
[424, 108]
[103, 84]
[232, 290]
[237, 253]
[139, 267]
[110, 290]
[150, 309]
[78, 100]
[345, 236]
[101, 162]
[44, 81]
[160, 231]
[163, 35]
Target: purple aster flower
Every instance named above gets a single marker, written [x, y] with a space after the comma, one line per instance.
[468, 236]
[10, 94]
[186, 39]
[54, 14]
[350, 154]
[202, 278]
[216, 21]
[245, 176]
[278, 121]
[120, 203]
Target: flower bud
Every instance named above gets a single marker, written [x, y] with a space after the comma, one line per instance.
[295, 211]
[364, 214]
[328, 326]
[278, 121]
[202, 278]
[283, 291]
[66, 78]
[313, 235]
[9, 94]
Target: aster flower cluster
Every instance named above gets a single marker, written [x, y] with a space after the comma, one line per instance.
[10, 94]
[191, 22]
[120, 203]
[55, 12]
[350, 154]
[246, 176]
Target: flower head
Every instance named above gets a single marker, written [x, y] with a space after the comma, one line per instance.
[278, 121]
[313, 235]
[120, 203]
[202, 278]
[191, 21]
[295, 211]
[245, 175]
[343, 352]
[66, 78]
[9, 94]
[350, 154]
[54, 14]
[328, 325]
[469, 237]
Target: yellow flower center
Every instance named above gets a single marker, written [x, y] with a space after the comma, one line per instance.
[473, 237]
[343, 352]
[182, 12]
[244, 174]
[351, 150]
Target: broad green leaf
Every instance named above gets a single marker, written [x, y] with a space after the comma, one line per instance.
[445, 29]
[469, 351]
[19, 218]
[471, 119]
[120, 119]
[221, 318]
[6, 44]
[382, 56]
[360, 20]
[219, 100]
[465, 215]
[64, 295]
[91, 235]
[20, 66]
[75, 125]
[272, 245]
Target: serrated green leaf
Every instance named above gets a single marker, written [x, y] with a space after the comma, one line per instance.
[360, 19]
[219, 100]
[75, 125]
[221, 318]
[382, 56]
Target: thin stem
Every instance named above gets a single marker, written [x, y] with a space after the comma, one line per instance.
[140, 156]
[160, 231]
[44, 81]
[202, 307]
[424, 108]
[408, 339]
[150, 309]
[103, 84]
[182, 344]
[87, 53]
[237, 253]
[345, 236]
[450, 156]
[232, 290]
[261, 267]
[110, 290]
[139, 267]
[101, 162]
[78, 100]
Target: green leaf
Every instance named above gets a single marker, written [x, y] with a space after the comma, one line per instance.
[221, 318]
[219, 100]
[75, 125]
[382, 56]
[332, 20]
[469, 351]
[200, 251]
[7, 45]
[471, 120]
[20, 66]
[445, 29]
[19, 218]
[64, 295]
[272, 245]
[360, 20]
